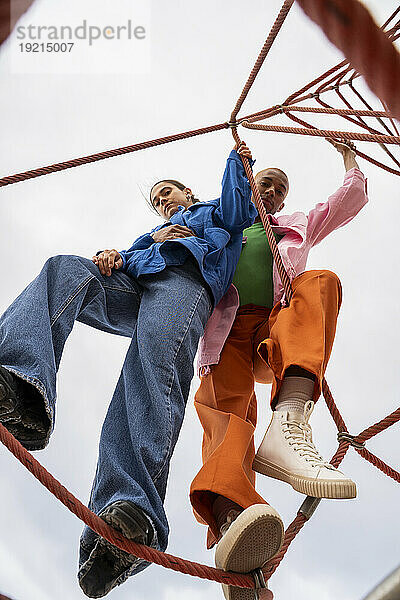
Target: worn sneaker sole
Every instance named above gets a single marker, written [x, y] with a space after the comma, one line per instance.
[107, 565]
[251, 541]
[25, 419]
[318, 488]
[9, 401]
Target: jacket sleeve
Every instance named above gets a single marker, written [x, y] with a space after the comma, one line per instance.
[235, 210]
[340, 208]
[142, 242]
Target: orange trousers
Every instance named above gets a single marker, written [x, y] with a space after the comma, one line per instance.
[260, 347]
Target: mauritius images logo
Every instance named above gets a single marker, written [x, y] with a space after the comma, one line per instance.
[84, 32]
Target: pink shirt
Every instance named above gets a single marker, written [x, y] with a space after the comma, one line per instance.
[300, 233]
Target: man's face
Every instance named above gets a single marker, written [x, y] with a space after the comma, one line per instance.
[273, 186]
[166, 197]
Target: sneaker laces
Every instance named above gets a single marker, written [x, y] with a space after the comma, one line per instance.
[299, 435]
[230, 517]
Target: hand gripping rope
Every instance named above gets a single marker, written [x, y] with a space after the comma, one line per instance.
[343, 21]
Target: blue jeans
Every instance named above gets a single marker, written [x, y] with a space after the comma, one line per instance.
[164, 314]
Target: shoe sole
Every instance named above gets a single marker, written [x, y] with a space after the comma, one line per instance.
[322, 488]
[251, 541]
[8, 401]
[120, 518]
[16, 419]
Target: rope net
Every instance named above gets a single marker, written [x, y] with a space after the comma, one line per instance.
[377, 60]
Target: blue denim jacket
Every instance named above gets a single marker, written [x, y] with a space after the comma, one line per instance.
[218, 226]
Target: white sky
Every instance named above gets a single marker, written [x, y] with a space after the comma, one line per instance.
[196, 62]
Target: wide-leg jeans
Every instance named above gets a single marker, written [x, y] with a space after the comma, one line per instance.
[164, 314]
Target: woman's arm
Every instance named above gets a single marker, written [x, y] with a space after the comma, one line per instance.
[235, 210]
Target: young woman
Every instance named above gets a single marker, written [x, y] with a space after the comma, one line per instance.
[159, 293]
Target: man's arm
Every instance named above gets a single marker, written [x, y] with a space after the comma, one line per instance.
[344, 204]
[347, 152]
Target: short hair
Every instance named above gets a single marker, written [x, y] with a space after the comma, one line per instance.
[274, 169]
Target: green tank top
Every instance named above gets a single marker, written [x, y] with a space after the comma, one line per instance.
[253, 275]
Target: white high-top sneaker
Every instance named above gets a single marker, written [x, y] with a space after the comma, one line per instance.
[249, 540]
[287, 452]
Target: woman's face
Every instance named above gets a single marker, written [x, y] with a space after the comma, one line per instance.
[166, 197]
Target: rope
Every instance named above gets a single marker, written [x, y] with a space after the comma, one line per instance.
[335, 16]
[287, 5]
[347, 135]
[75, 162]
[388, 421]
[357, 151]
[374, 56]
[99, 526]
[337, 111]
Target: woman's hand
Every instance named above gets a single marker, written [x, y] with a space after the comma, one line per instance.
[347, 149]
[171, 232]
[107, 260]
[243, 150]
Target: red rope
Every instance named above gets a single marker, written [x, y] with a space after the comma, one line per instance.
[379, 464]
[388, 421]
[337, 111]
[75, 162]
[374, 56]
[339, 16]
[358, 152]
[347, 135]
[287, 5]
[107, 532]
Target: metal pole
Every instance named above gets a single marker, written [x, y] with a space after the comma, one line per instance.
[388, 589]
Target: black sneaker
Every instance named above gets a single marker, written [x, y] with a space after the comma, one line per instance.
[107, 565]
[22, 411]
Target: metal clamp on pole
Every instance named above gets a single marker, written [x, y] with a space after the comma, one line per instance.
[345, 436]
[309, 506]
[260, 583]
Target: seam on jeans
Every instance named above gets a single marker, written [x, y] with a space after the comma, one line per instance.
[70, 298]
[121, 289]
[200, 294]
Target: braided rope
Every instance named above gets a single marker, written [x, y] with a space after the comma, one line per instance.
[347, 135]
[74, 505]
[337, 111]
[357, 151]
[379, 464]
[75, 162]
[374, 56]
[388, 421]
[99, 526]
[287, 5]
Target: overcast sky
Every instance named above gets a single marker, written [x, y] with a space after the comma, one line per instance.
[188, 73]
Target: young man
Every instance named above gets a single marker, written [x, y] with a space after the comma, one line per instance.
[254, 336]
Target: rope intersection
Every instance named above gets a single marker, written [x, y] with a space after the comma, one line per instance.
[377, 60]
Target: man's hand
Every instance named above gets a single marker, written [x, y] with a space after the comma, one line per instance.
[243, 150]
[347, 149]
[171, 232]
[107, 260]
